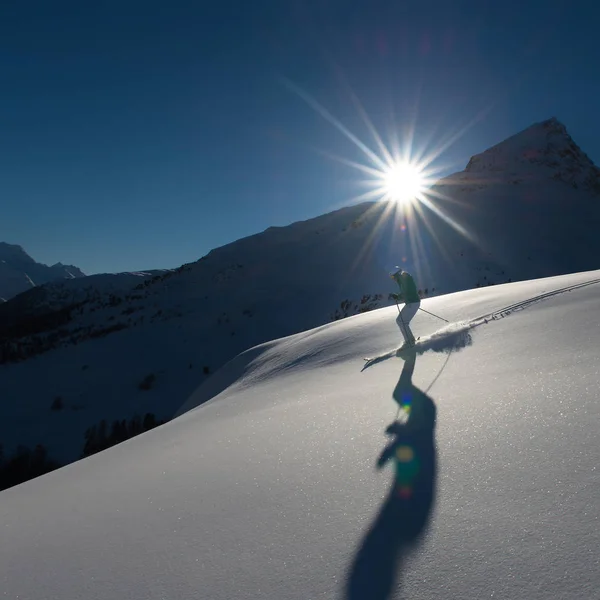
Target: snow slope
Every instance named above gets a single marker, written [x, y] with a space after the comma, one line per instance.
[92, 341]
[19, 272]
[268, 489]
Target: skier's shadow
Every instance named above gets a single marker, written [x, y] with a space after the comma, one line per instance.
[403, 518]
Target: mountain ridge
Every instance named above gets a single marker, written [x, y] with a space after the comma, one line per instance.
[20, 272]
[547, 144]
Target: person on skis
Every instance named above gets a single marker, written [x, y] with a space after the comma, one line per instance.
[410, 296]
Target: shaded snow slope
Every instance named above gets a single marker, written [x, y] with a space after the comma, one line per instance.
[19, 272]
[531, 206]
[269, 490]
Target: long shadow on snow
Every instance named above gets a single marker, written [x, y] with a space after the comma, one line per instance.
[403, 518]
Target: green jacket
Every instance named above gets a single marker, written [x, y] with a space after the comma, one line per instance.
[408, 288]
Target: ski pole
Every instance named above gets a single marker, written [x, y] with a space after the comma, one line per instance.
[436, 316]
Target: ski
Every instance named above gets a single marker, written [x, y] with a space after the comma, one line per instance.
[391, 352]
[381, 356]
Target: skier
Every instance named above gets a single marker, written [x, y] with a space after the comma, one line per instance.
[409, 295]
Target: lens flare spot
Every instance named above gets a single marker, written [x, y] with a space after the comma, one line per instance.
[406, 403]
[405, 454]
[404, 492]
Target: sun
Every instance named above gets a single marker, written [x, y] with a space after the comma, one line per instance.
[403, 182]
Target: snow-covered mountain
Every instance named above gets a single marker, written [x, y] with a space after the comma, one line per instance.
[112, 346]
[266, 486]
[19, 272]
[531, 203]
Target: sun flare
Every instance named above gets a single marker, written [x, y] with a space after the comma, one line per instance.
[403, 182]
[400, 174]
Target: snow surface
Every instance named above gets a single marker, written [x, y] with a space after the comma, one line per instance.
[266, 487]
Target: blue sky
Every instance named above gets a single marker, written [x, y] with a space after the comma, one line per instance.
[142, 134]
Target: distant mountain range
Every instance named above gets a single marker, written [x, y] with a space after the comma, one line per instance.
[111, 346]
[19, 272]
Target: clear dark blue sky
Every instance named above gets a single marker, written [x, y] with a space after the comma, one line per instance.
[142, 134]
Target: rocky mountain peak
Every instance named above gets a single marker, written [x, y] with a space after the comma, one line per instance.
[543, 147]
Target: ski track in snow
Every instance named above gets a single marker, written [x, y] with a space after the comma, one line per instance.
[456, 335]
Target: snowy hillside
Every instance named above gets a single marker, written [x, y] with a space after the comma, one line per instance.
[19, 272]
[108, 347]
[269, 489]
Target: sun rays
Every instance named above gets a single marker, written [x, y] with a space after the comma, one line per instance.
[400, 177]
